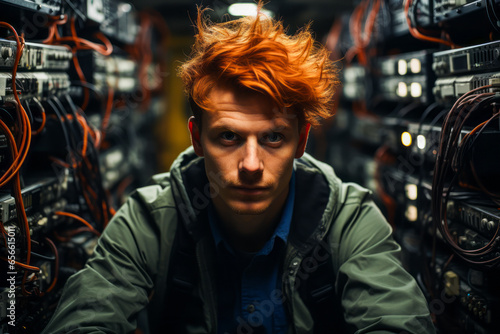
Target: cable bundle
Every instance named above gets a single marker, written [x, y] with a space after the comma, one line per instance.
[19, 142]
[451, 162]
[82, 142]
[141, 51]
[362, 33]
[84, 159]
[419, 33]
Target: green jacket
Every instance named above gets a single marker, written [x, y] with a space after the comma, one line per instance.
[128, 269]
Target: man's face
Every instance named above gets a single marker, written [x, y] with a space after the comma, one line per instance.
[249, 148]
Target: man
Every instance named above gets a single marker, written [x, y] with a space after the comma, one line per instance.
[247, 234]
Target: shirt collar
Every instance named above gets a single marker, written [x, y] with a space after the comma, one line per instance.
[281, 231]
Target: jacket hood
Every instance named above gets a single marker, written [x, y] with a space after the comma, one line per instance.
[191, 190]
[317, 194]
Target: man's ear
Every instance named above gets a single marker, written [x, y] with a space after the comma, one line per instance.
[304, 134]
[194, 130]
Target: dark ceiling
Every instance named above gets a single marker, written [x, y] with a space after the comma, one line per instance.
[294, 13]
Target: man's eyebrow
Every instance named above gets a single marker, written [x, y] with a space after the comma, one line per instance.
[228, 127]
[222, 127]
[281, 126]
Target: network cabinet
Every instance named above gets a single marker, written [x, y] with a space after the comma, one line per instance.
[423, 97]
[74, 105]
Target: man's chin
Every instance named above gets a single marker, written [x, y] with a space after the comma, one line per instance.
[248, 210]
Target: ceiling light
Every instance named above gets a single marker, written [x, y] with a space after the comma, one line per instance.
[247, 9]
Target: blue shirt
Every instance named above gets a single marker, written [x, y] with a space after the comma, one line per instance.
[250, 298]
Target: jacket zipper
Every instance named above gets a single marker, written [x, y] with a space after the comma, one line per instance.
[207, 284]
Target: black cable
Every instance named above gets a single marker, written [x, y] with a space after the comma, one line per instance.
[491, 99]
[411, 13]
[450, 138]
[70, 102]
[8, 114]
[469, 146]
[68, 142]
[396, 110]
[406, 110]
[438, 117]
[420, 201]
[480, 105]
[64, 121]
[75, 9]
[63, 126]
[76, 110]
[90, 149]
[28, 112]
[492, 4]
[426, 113]
[94, 175]
[492, 22]
[53, 258]
[73, 111]
[74, 124]
[99, 184]
[90, 86]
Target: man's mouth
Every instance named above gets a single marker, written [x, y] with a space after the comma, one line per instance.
[250, 190]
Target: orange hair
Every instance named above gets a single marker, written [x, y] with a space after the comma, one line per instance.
[256, 53]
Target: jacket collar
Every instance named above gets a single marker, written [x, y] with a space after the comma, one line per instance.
[317, 192]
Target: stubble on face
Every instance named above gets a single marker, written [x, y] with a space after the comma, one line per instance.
[249, 150]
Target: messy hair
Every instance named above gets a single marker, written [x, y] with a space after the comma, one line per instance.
[257, 54]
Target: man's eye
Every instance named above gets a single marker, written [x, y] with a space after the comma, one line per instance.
[229, 136]
[273, 137]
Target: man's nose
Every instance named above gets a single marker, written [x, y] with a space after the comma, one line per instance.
[251, 161]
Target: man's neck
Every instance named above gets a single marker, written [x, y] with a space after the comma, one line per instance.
[249, 233]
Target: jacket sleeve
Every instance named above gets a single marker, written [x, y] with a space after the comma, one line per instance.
[106, 295]
[378, 295]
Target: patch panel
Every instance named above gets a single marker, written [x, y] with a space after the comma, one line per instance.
[481, 218]
[51, 7]
[472, 59]
[35, 56]
[447, 90]
[37, 197]
[33, 84]
[445, 10]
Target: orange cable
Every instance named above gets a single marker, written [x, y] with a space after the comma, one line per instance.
[78, 218]
[86, 94]
[25, 129]
[22, 265]
[55, 21]
[56, 270]
[44, 118]
[19, 201]
[107, 114]
[4, 233]
[415, 33]
[26, 141]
